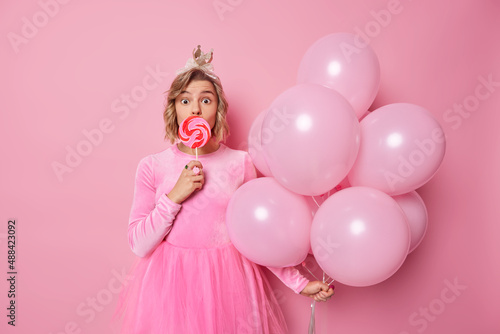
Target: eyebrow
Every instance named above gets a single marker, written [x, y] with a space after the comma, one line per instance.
[205, 91]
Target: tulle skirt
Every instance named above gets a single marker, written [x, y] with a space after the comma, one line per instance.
[191, 290]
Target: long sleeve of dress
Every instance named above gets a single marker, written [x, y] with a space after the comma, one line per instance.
[150, 221]
[290, 276]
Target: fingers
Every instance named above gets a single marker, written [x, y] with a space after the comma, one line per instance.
[193, 168]
[324, 286]
[319, 291]
[323, 295]
[319, 297]
[194, 163]
[192, 178]
[198, 181]
[194, 174]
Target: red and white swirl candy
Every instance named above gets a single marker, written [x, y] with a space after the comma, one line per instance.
[194, 132]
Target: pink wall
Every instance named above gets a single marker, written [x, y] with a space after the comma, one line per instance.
[66, 72]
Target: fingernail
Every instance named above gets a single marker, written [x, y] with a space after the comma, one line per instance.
[196, 170]
[331, 286]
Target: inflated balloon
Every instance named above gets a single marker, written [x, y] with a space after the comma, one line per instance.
[366, 113]
[269, 224]
[255, 146]
[416, 213]
[360, 236]
[342, 62]
[402, 147]
[313, 138]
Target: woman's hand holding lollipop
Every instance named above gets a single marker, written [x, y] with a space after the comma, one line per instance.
[194, 132]
[188, 182]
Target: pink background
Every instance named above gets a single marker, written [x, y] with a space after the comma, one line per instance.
[69, 75]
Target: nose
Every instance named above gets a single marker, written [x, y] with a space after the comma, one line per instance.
[196, 110]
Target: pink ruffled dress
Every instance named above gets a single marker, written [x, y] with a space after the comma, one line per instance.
[189, 278]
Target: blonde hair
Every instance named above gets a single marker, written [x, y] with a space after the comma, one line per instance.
[220, 130]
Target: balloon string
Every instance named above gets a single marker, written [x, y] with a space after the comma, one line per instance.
[312, 322]
[310, 272]
[314, 199]
[329, 278]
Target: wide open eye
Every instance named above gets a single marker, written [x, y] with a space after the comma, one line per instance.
[206, 100]
[184, 101]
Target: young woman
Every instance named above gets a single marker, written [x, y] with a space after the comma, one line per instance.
[190, 278]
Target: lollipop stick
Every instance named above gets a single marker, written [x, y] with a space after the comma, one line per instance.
[196, 170]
